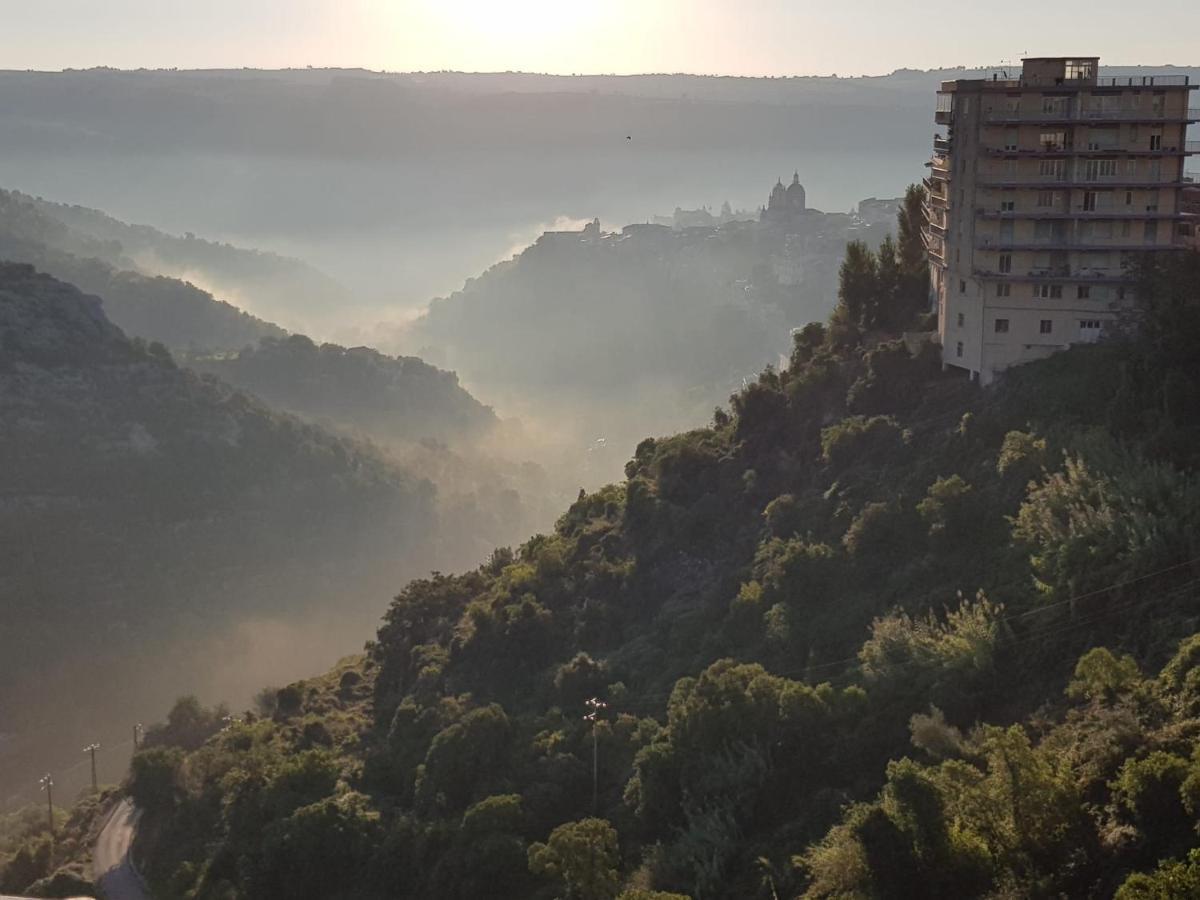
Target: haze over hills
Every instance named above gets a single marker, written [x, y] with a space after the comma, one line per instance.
[146, 304]
[612, 334]
[403, 186]
[150, 512]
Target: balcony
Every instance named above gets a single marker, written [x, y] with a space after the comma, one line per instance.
[1180, 148]
[1076, 214]
[1141, 81]
[1076, 245]
[1056, 274]
[941, 144]
[935, 227]
[1010, 117]
[1069, 180]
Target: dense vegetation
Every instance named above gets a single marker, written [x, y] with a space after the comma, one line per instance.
[875, 632]
[141, 502]
[393, 399]
[36, 863]
[144, 304]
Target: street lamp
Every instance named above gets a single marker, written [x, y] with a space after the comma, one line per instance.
[594, 705]
[92, 748]
[47, 784]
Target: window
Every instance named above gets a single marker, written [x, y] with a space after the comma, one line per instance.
[1005, 263]
[1003, 290]
[1010, 139]
[1156, 141]
[1053, 169]
[962, 286]
[1103, 138]
[1053, 140]
[1008, 205]
[1150, 234]
[1054, 106]
[1095, 169]
[1089, 201]
[1084, 291]
[961, 320]
[1129, 198]
[958, 349]
[1045, 198]
[1001, 326]
[1047, 326]
[1048, 291]
[1078, 70]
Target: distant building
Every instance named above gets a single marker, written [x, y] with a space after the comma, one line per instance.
[786, 203]
[1043, 188]
[873, 211]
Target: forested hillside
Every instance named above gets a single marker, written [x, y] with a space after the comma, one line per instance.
[391, 398]
[274, 286]
[154, 307]
[141, 504]
[874, 632]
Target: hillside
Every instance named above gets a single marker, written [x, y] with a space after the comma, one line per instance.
[154, 307]
[277, 287]
[570, 329]
[798, 619]
[144, 507]
[393, 399]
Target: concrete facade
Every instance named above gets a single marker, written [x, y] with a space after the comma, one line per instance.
[1040, 193]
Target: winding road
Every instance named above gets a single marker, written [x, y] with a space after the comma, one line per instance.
[112, 866]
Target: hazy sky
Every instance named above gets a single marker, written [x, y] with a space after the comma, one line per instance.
[745, 37]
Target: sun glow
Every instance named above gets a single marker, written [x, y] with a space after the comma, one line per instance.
[500, 34]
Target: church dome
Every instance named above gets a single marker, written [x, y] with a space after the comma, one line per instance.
[795, 193]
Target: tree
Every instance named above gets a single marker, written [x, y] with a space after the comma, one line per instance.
[583, 856]
[910, 220]
[154, 778]
[1172, 880]
[858, 284]
[1102, 675]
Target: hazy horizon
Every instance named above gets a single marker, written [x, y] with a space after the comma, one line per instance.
[761, 37]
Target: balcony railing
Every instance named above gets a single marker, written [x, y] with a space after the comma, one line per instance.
[1057, 274]
[1178, 148]
[1141, 80]
[1076, 245]
[1068, 180]
[1192, 114]
[1111, 213]
[941, 144]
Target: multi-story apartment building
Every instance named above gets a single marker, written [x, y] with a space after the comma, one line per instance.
[1040, 191]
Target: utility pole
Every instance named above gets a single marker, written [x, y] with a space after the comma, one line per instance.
[594, 705]
[47, 784]
[92, 748]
